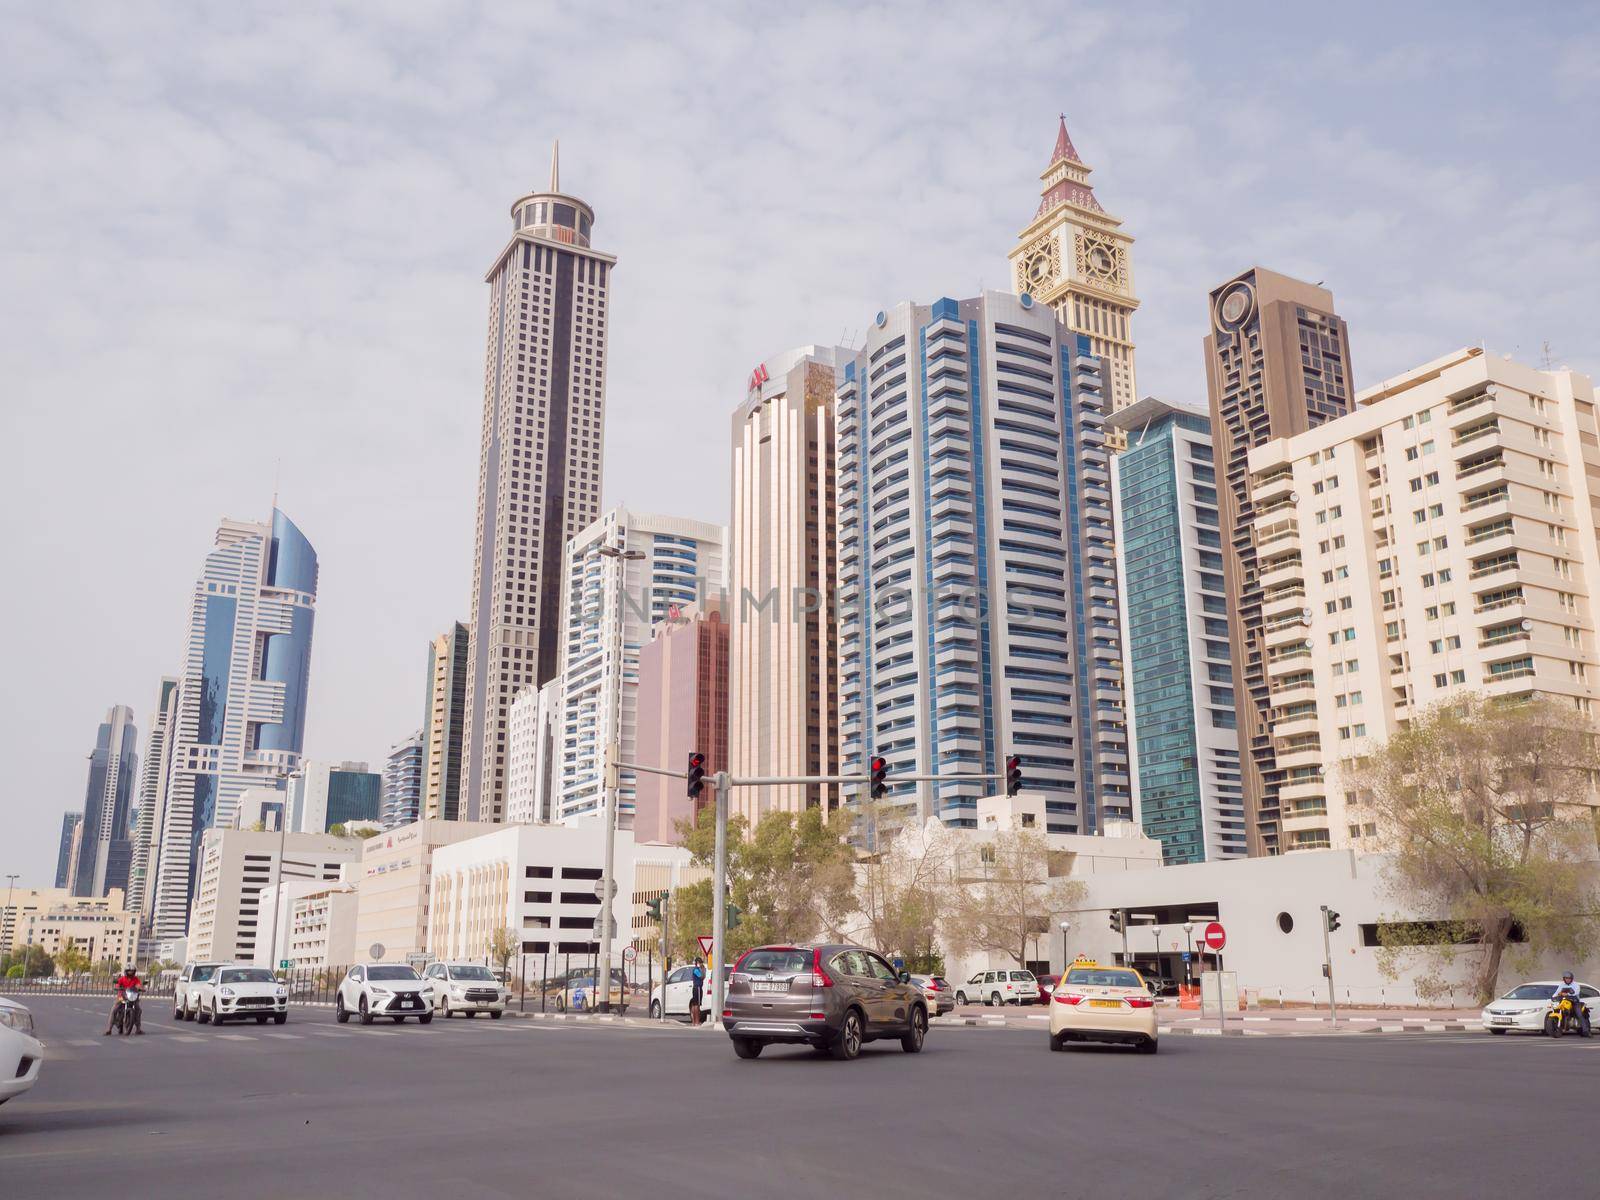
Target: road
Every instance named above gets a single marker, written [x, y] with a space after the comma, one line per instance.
[519, 1108]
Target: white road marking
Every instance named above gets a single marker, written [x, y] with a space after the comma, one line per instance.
[286, 1037]
[235, 1037]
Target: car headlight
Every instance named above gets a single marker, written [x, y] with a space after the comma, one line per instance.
[381, 991]
[428, 991]
[283, 992]
[19, 1019]
[227, 991]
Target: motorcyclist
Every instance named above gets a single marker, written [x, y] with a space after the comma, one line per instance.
[1567, 989]
[128, 981]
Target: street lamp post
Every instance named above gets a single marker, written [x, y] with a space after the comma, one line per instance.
[1155, 937]
[1188, 933]
[1065, 926]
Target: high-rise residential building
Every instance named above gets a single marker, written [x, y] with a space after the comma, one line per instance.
[625, 572]
[106, 846]
[402, 782]
[977, 587]
[324, 794]
[1177, 673]
[783, 686]
[683, 708]
[522, 757]
[539, 464]
[152, 795]
[444, 723]
[1439, 539]
[69, 830]
[241, 695]
[1277, 364]
[1075, 258]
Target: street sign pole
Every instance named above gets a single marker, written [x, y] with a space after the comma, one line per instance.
[719, 891]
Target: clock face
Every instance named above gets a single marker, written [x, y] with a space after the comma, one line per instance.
[1235, 305]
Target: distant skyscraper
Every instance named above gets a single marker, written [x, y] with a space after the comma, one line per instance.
[402, 782]
[1075, 258]
[69, 828]
[611, 605]
[152, 795]
[108, 806]
[324, 794]
[444, 723]
[977, 589]
[539, 465]
[683, 708]
[533, 754]
[783, 677]
[1178, 676]
[1277, 364]
[241, 697]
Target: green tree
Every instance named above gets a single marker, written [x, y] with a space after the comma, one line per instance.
[904, 891]
[72, 961]
[1486, 810]
[504, 945]
[1009, 890]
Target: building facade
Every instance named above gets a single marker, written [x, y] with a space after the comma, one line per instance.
[228, 921]
[523, 793]
[154, 771]
[978, 592]
[1438, 540]
[69, 832]
[444, 723]
[402, 781]
[98, 927]
[1177, 673]
[539, 466]
[322, 928]
[1075, 258]
[394, 880]
[106, 845]
[18, 905]
[241, 695]
[662, 565]
[324, 794]
[1277, 364]
[683, 708]
[783, 685]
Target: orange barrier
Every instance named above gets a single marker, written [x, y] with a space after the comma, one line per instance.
[1188, 996]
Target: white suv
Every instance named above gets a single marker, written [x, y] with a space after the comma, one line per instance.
[186, 989]
[999, 987]
[371, 990]
[238, 992]
[466, 988]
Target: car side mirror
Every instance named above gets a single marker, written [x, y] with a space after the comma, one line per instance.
[905, 976]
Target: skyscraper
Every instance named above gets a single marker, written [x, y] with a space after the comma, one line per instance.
[1277, 364]
[153, 775]
[1075, 258]
[539, 464]
[69, 830]
[241, 696]
[783, 687]
[108, 806]
[977, 589]
[444, 723]
[683, 708]
[1178, 675]
[402, 782]
[321, 795]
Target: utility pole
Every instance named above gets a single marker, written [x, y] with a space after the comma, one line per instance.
[1329, 920]
[723, 783]
[277, 896]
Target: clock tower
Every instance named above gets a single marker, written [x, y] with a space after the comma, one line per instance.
[1074, 257]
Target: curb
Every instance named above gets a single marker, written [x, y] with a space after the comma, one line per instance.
[1425, 1027]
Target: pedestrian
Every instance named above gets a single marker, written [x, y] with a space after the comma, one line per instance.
[697, 984]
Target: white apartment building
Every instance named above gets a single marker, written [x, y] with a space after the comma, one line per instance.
[19, 907]
[98, 929]
[394, 878]
[227, 922]
[612, 602]
[272, 947]
[154, 769]
[322, 928]
[522, 756]
[403, 774]
[1439, 539]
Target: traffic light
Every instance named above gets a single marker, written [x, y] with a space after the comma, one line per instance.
[730, 915]
[1013, 774]
[880, 778]
[697, 774]
[1332, 918]
[653, 907]
[1116, 920]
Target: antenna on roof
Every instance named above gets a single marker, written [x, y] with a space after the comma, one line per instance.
[1547, 359]
[277, 472]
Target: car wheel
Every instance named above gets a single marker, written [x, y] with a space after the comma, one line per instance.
[996, 1001]
[497, 1013]
[961, 999]
[848, 1042]
[203, 1017]
[425, 1019]
[911, 1042]
[188, 1013]
[177, 1013]
[366, 1013]
[655, 1010]
[280, 1018]
[444, 1008]
[1499, 1031]
[1149, 1047]
[747, 1047]
[561, 1003]
[341, 1014]
[1058, 1043]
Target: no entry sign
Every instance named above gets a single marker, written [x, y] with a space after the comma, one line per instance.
[1215, 936]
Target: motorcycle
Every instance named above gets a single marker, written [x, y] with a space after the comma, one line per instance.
[127, 1017]
[1566, 1016]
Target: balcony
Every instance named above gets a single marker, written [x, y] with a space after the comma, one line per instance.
[1272, 485]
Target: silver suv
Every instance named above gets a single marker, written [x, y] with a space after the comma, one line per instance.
[834, 998]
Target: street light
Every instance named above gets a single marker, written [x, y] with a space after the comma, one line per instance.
[1065, 926]
[1155, 934]
[1188, 933]
[613, 752]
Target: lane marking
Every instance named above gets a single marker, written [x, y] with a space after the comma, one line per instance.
[236, 1037]
[286, 1037]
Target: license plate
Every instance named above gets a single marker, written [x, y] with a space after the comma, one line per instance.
[758, 986]
[1499, 1020]
[1105, 1004]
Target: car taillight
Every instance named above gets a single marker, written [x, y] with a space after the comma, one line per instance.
[1067, 998]
[726, 1013]
[1140, 1001]
[819, 977]
[933, 986]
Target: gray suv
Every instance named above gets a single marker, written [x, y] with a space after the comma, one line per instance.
[833, 998]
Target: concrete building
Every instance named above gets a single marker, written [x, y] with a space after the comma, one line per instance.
[978, 591]
[612, 602]
[106, 846]
[322, 928]
[69, 833]
[241, 694]
[97, 926]
[396, 872]
[154, 772]
[683, 708]
[783, 683]
[1439, 539]
[272, 947]
[18, 904]
[324, 794]
[523, 793]
[402, 782]
[227, 923]
[444, 723]
[260, 809]
[1075, 258]
[1178, 674]
[1277, 364]
[539, 464]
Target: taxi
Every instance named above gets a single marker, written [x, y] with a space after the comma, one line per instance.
[1095, 1003]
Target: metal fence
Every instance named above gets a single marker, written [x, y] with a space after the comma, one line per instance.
[89, 984]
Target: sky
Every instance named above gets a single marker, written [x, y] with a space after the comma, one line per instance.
[244, 251]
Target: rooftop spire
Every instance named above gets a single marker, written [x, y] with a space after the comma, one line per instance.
[555, 162]
[1064, 148]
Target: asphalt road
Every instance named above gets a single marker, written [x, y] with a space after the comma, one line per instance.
[546, 1109]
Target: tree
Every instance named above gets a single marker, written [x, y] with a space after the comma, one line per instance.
[904, 892]
[71, 961]
[341, 830]
[1487, 812]
[1007, 895]
[504, 945]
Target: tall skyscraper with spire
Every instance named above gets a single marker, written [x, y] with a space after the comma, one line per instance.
[108, 806]
[1074, 257]
[539, 463]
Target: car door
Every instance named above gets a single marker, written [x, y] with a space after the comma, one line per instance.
[351, 988]
[435, 975]
[974, 989]
[894, 997]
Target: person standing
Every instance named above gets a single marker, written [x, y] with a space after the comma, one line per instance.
[697, 985]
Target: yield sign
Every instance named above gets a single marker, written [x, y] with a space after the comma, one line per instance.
[1215, 936]
[705, 946]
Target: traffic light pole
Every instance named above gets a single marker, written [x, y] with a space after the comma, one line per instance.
[1327, 966]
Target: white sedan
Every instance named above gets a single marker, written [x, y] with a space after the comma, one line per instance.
[1524, 1006]
[20, 1052]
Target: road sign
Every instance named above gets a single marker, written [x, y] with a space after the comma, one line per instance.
[284, 964]
[600, 888]
[629, 954]
[600, 926]
[1215, 936]
[376, 950]
[705, 946]
[1185, 956]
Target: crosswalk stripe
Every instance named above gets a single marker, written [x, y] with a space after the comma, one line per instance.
[286, 1037]
[188, 1037]
[236, 1037]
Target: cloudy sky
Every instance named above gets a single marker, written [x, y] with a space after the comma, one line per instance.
[240, 248]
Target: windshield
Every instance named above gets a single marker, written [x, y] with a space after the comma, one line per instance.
[776, 962]
[1103, 977]
[1531, 991]
[380, 973]
[248, 975]
[201, 974]
[1022, 976]
[471, 973]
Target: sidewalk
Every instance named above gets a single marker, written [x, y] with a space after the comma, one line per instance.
[1284, 1023]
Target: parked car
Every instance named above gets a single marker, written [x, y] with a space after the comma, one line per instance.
[371, 990]
[672, 998]
[1524, 1006]
[561, 991]
[21, 1053]
[1158, 985]
[466, 988]
[1047, 984]
[999, 987]
[235, 992]
[831, 997]
[936, 990]
[186, 990]
[1095, 1003]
